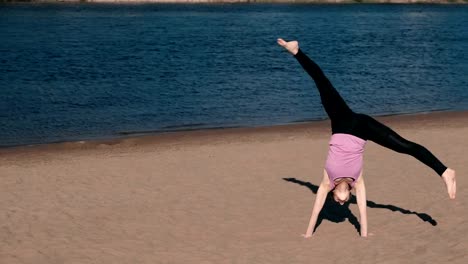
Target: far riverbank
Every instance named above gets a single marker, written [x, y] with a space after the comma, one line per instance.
[248, 1]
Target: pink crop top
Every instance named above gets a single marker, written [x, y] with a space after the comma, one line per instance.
[345, 157]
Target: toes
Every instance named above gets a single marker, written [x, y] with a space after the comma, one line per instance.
[281, 42]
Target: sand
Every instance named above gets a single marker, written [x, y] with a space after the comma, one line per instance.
[230, 196]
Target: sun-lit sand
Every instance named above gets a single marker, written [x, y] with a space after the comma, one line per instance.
[231, 196]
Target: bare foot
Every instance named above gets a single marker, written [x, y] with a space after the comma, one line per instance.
[449, 178]
[291, 46]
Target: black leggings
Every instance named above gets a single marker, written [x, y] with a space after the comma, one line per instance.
[344, 120]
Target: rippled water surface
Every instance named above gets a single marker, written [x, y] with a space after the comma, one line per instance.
[86, 71]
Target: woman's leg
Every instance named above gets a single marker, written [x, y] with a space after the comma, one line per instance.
[334, 105]
[332, 101]
[384, 136]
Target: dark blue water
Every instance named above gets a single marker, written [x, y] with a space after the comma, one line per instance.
[85, 71]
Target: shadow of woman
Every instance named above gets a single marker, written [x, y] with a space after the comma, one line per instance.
[336, 213]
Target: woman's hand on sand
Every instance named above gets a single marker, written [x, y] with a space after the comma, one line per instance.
[367, 235]
[306, 235]
[291, 46]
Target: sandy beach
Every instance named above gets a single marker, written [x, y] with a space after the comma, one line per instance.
[230, 196]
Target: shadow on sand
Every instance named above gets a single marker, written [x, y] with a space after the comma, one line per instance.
[337, 213]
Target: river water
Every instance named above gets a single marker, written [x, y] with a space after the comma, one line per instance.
[94, 71]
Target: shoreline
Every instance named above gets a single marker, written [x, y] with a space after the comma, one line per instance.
[206, 135]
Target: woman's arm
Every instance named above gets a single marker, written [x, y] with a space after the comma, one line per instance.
[362, 204]
[322, 192]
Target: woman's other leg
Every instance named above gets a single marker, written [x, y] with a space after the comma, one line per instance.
[384, 136]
